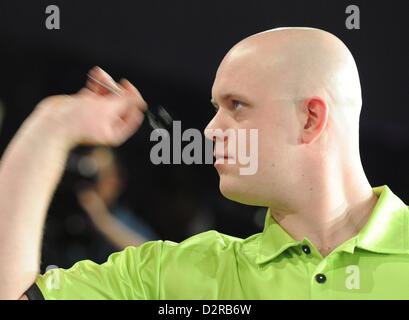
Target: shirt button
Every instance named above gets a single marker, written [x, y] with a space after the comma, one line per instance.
[306, 249]
[320, 278]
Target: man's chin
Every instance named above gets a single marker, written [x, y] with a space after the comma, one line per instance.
[234, 191]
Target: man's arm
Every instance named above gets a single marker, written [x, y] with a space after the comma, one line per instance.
[33, 163]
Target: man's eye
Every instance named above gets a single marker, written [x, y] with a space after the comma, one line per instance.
[236, 104]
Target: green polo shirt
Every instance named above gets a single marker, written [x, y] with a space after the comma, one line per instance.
[269, 265]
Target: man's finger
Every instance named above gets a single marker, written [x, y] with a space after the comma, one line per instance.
[130, 88]
[102, 83]
[128, 123]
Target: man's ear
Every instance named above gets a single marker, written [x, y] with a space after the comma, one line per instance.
[316, 111]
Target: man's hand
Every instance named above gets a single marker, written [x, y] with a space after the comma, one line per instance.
[93, 116]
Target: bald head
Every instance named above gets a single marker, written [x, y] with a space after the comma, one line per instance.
[307, 61]
[300, 63]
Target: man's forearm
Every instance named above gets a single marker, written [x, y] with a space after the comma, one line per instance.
[30, 170]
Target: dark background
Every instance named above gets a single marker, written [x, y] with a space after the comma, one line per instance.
[170, 50]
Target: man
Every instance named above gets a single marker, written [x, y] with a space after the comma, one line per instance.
[328, 233]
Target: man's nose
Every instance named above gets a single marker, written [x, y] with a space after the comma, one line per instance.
[215, 129]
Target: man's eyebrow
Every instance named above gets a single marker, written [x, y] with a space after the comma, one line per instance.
[227, 96]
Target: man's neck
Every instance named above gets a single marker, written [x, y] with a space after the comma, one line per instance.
[329, 225]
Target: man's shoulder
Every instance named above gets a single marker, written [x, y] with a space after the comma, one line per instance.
[209, 242]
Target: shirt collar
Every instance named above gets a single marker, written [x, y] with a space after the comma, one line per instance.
[385, 232]
[273, 241]
[387, 228]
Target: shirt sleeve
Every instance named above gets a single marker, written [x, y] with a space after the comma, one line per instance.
[132, 274]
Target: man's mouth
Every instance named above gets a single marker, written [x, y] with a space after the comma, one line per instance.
[221, 159]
